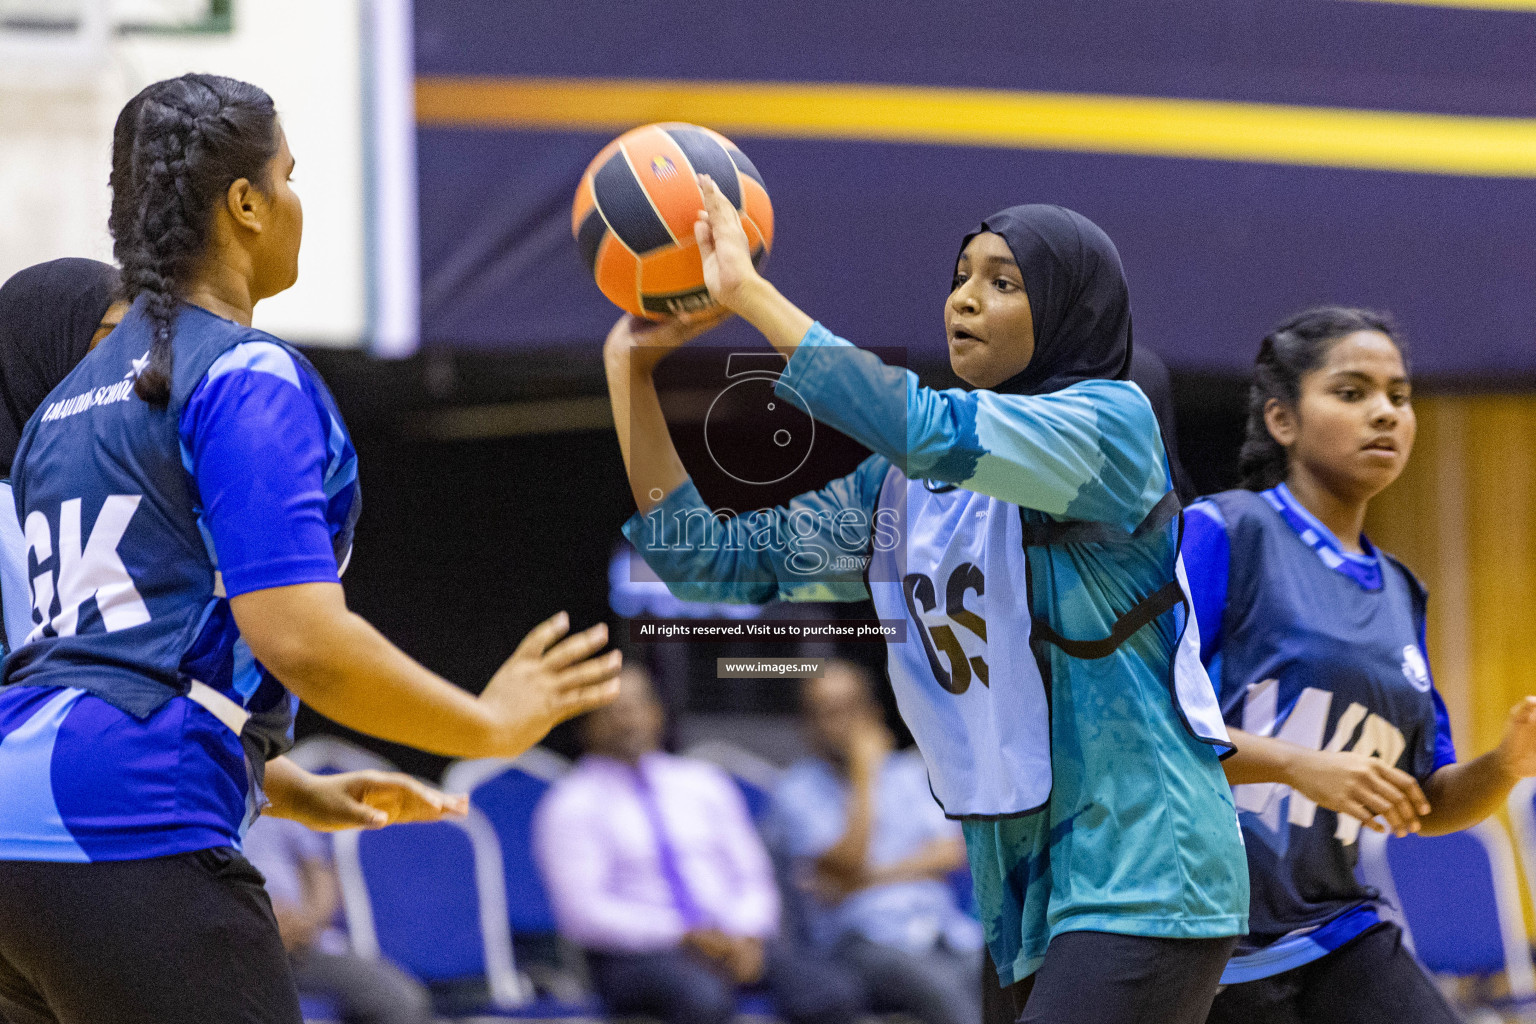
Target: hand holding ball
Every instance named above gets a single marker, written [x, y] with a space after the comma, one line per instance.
[636, 207]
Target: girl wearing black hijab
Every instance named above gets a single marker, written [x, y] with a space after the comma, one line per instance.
[51, 315]
[1026, 534]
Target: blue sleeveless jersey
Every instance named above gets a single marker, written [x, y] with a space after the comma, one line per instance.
[990, 522]
[138, 524]
[1320, 647]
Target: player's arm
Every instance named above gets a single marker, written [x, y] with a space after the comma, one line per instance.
[1095, 453]
[1464, 794]
[1362, 787]
[257, 451]
[345, 669]
[786, 551]
[631, 354]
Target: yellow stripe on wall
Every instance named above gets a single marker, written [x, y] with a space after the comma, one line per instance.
[1480, 5]
[1136, 125]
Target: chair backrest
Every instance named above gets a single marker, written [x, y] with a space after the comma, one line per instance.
[754, 776]
[430, 897]
[1522, 815]
[323, 755]
[1460, 899]
[506, 791]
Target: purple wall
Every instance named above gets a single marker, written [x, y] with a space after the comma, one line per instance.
[866, 233]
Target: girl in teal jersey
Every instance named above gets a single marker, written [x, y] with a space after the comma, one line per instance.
[1025, 532]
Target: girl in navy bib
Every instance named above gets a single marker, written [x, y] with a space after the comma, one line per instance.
[1315, 642]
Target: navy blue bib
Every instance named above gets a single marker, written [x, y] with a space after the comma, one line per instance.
[120, 574]
[1313, 656]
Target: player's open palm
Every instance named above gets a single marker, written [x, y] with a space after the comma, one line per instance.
[370, 799]
[723, 246]
[548, 680]
[1519, 744]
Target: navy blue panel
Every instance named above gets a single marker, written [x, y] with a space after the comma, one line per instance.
[709, 157]
[745, 166]
[626, 208]
[1216, 253]
[1322, 52]
[589, 237]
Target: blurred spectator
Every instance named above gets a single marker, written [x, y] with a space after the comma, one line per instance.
[873, 852]
[654, 866]
[301, 880]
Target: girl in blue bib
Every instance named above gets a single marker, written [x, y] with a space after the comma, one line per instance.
[186, 497]
[1026, 535]
[1315, 641]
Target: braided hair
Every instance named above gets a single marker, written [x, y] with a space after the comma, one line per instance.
[1292, 350]
[176, 148]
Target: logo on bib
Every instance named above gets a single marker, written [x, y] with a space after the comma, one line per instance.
[1414, 668]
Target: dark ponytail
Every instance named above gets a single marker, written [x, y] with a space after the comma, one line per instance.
[177, 147]
[1292, 350]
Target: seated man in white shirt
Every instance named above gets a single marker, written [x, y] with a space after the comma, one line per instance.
[872, 851]
[653, 864]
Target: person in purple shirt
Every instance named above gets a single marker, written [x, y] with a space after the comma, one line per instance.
[654, 866]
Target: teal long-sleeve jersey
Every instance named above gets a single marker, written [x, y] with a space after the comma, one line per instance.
[1090, 787]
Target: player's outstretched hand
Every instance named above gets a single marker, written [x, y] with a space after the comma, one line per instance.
[647, 342]
[1361, 787]
[723, 244]
[549, 679]
[1518, 747]
[365, 799]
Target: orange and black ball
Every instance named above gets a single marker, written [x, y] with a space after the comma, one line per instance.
[636, 205]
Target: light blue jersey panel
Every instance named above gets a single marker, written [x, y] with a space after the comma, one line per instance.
[15, 592]
[29, 814]
[1138, 834]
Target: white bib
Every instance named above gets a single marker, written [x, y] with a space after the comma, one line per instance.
[965, 679]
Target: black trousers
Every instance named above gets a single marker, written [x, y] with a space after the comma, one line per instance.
[1371, 979]
[188, 939]
[1102, 978]
[681, 987]
[365, 990]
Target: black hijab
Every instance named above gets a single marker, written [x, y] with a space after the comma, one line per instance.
[1077, 295]
[1082, 312]
[48, 314]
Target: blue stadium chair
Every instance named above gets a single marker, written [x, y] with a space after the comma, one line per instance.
[506, 791]
[317, 1009]
[431, 898]
[1459, 900]
[964, 888]
[1522, 815]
